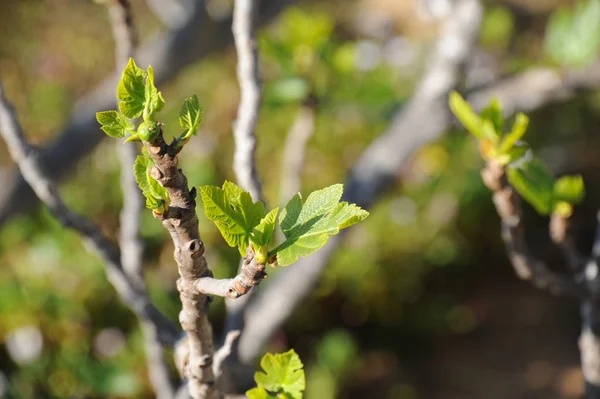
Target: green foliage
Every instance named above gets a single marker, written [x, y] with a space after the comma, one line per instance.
[114, 124]
[131, 90]
[488, 128]
[569, 189]
[535, 184]
[573, 36]
[138, 96]
[234, 213]
[283, 377]
[307, 226]
[190, 117]
[262, 234]
[156, 195]
[525, 173]
[153, 99]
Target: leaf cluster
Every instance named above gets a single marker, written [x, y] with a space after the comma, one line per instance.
[138, 97]
[527, 174]
[306, 226]
[283, 377]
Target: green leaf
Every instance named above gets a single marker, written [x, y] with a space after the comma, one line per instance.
[465, 114]
[493, 113]
[190, 116]
[515, 154]
[517, 132]
[233, 211]
[307, 227]
[131, 91]
[263, 232]
[114, 123]
[489, 132]
[140, 168]
[534, 183]
[259, 393]
[156, 195]
[154, 101]
[282, 374]
[569, 189]
[156, 189]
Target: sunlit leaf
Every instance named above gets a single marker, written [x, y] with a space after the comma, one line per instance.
[154, 101]
[233, 211]
[114, 123]
[283, 374]
[569, 189]
[131, 90]
[534, 183]
[465, 114]
[307, 227]
[190, 116]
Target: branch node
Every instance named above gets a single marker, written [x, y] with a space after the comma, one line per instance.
[156, 173]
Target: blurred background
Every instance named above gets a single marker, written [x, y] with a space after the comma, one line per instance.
[419, 301]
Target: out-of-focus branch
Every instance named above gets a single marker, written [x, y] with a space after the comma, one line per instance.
[422, 120]
[525, 264]
[168, 53]
[27, 160]
[244, 164]
[295, 150]
[130, 240]
[224, 351]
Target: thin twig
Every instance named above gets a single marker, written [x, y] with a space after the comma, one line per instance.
[130, 240]
[244, 164]
[224, 351]
[28, 162]
[525, 264]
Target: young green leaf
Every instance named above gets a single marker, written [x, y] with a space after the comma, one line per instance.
[517, 132]
[259, 393]
[114, 123]
[534, 183]
[262, 234]
[190, 116]
[282, 374]
[131, 91]
[307, 227]
[493, 113]
[234, 213]
[489, 132]
[156, 195]
[154, 101]
[465, 114]
[569, 189]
